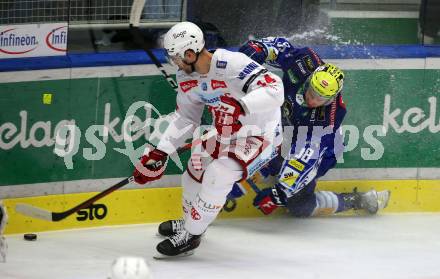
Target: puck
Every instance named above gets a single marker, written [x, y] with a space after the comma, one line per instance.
[30, 236]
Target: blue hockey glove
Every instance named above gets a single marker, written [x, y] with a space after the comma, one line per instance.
[255, 50]
[273, 167]
[269, 199]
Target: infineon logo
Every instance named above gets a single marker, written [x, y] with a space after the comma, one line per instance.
[32, 40]
[15, 41]
[56, 39]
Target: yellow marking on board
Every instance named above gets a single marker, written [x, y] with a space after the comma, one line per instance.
[47, 98]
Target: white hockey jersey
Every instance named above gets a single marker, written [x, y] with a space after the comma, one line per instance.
[260, 92]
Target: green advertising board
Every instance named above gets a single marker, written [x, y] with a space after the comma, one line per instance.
[392, 121]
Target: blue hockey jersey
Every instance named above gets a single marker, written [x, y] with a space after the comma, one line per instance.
[297, 65]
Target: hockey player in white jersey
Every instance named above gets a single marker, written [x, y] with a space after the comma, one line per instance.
[3, 220]
[244, 99]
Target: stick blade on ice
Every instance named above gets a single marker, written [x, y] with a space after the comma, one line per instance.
[33, 211]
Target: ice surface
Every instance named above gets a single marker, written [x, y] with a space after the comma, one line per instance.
[389, 246]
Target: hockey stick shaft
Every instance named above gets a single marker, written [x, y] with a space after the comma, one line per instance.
[253, 185]
[57, 216]
[231, 204]
[39, 213]
[135, 16]
[139, 41]
[136, 33]
[137, 36]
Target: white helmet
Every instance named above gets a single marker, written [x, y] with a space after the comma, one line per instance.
[130, 268]
[182, 37]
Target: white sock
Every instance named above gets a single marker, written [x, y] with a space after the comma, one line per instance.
[190, 190]
[326, 203]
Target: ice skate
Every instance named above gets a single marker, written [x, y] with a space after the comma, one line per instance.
[181, 244]
[371, 201]
[170, 227]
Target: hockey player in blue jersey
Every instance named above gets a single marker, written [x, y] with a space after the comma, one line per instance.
[313, 112]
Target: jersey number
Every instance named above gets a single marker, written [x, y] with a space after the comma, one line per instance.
[305, 155]
[282, 46]
[268, 79]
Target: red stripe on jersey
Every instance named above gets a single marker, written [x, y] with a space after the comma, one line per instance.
[333, 113]
[317, 59]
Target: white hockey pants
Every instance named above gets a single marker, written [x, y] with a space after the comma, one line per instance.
[203, 201]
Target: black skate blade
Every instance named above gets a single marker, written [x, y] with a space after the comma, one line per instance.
[160, 256]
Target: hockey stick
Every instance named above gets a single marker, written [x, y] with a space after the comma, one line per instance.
[39, 213]
[135, 16]
[253, 186]
[137, 36]
[231, 204]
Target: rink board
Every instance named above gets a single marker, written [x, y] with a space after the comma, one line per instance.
[159, 204]
[398, 93]
[31, 111]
